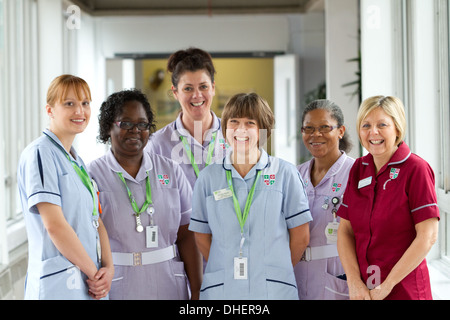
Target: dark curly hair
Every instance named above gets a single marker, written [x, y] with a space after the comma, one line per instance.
[112, 108]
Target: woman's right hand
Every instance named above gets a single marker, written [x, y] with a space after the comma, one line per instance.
[358, 290]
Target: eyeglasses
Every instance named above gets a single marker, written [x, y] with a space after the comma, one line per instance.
[321, 129]
[127, 125]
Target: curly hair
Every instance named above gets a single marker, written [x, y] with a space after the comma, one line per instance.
[112, 108]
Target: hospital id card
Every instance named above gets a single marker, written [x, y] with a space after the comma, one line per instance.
[222, 194]
[152, 236]
[240, 268]
[331, 232]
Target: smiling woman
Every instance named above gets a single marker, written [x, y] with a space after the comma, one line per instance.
[246, 197]
[389, 213]
[58, 201]
[140, 191]
[194, 139]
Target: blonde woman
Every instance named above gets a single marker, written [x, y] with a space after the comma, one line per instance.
[389, 215]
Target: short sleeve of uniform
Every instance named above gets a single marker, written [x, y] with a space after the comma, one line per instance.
[422, 193]
[295, 202]
[185, 191]
[39, 177]
[343, 208]
[199, 217]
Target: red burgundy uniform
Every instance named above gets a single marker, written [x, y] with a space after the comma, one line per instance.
[383, 209]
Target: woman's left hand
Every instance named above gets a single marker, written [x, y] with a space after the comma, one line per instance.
[380, 292]
[101, 285]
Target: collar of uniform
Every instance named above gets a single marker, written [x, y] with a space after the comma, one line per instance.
[184, 132]
[72, 154]
[400, 155]
[262, 163]
[335, 168]
[114, 165]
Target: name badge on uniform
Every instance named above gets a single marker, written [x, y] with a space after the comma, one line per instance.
[222, 194]
[364, 182]
[331, 232]
[240, 268]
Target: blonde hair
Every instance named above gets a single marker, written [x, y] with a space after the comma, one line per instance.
[392, 106]
[59, 87]
[248, 105]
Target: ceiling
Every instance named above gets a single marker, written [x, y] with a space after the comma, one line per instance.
[198, 7]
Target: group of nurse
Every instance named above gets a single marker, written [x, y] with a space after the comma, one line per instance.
[199, 210]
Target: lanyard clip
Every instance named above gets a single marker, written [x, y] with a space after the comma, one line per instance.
[241, 244]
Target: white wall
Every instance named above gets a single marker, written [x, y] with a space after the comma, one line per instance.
[50, 26]
[170, 33]
[299, 34]
[341, 29]
[381, 48]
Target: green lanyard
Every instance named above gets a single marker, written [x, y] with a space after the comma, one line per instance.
[148, 195]
[191, 156]
[81, 172]
[242, 218]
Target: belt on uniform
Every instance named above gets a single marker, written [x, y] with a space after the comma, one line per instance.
[144, 258]
[322, 252]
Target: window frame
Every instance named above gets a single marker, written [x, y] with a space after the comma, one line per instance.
[19, 124]
[442, 9]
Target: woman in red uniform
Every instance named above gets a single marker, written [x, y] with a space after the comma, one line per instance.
[389, 215]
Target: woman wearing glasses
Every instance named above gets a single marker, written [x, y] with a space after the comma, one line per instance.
[69, 253]
[195, 138]
[146, 205]
[389, 214]
[320, 274]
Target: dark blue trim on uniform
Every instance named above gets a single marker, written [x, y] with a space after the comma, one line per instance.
[51, 274]
[282, 282]
[297, 214]
[213, 286]
[201, 221]
[55, 194]
[41, 171]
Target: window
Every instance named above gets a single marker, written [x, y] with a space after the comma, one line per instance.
[19, 102]
[443, 27]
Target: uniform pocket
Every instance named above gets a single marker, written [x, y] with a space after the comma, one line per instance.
[60, 279]
[335, 288]
[212, 286]
[281, 284]
[180, 279]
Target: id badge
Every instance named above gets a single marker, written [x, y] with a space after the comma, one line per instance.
[331, 232]
[152, 236]
[240, 268]
[222, 194]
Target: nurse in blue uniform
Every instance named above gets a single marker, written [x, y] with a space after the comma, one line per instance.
[69, 252]
[250, 212]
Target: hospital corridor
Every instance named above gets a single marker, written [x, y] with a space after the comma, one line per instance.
[312, 95]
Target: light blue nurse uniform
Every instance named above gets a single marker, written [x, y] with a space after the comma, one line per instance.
[46, 175]
[279, 203]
